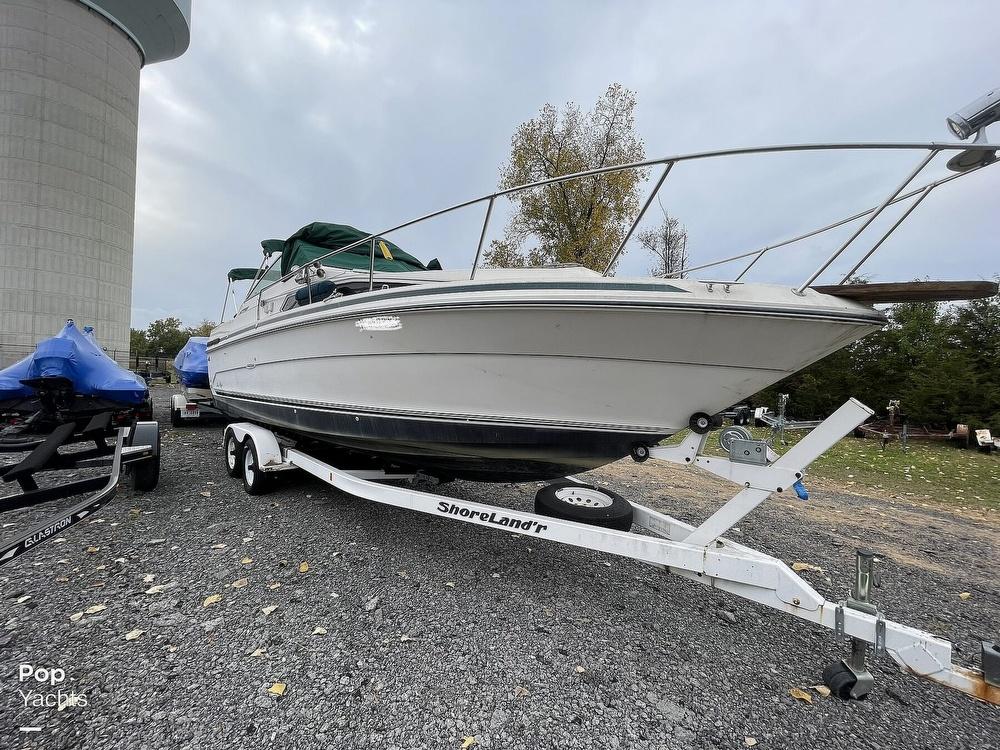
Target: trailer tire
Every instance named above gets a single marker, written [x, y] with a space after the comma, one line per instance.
[255, 481]
[175, 417]
[232, 454]
[146, 473]
[584, 503]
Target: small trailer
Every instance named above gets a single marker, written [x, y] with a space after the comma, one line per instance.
[42, 449]
[192, 405]
[581, 515]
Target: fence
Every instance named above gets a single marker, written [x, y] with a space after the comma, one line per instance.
[155, 364]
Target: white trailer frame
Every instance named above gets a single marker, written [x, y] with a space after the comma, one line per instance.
[699, 553]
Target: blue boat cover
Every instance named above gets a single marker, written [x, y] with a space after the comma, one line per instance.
[191, 362]
[75, 355]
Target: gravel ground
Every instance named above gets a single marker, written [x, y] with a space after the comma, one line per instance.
[412, 631]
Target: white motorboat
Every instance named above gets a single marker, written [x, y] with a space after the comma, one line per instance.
[518, 374]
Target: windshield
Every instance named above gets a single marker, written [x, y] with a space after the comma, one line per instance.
[272, 274]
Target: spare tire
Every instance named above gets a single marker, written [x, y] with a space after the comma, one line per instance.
[584, 503]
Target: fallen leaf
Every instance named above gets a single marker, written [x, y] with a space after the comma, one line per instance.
[520, 692]
[371, 604]
[133, 634]
[269, 610]
[319, 631]
[273, 586]
[157, 589]
[798, 567]
[212, 600]
[62, 579]
[148, 578]
[258, 652]
[468, 742]
[800, 695]
[277, 688]
[76, 616]
[171, 649]
[240, 583]
[580, 670]
[206, 493]
[303, 567]
[450, 584]
[405, 638]
[246, 560]
[92, 550]
[95, 609]
[749, 741]
[23, 599]
[822, 690]
[218, 546]
[964, 595]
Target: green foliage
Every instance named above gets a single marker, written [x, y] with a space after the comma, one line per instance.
[942, 362]
[165, 337]
[582, 221]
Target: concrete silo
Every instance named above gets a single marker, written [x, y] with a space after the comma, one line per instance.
[69, 96]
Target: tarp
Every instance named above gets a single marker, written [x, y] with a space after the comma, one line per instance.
[191, 362]
[75, 355]
[319, 238]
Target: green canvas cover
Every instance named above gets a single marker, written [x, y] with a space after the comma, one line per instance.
[319, 238]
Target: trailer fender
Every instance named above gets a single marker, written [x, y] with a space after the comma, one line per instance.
[266, 444]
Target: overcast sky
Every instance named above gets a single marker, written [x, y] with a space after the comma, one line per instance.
[369, 113]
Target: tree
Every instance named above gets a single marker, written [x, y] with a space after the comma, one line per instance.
[138, 343]
[581, 221]
[166, 335]
[940, 361]
[202, 329]
[668, 245]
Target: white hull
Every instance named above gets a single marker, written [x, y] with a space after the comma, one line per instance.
[456, 370]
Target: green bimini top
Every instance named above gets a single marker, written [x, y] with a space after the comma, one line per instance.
[319, 238]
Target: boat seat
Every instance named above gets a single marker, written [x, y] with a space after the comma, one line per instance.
[320, 291]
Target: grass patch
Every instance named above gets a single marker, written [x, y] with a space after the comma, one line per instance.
[924, 471]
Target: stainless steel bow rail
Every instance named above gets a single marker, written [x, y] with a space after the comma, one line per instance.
[970, 158]
[136, 450]
[700, 553]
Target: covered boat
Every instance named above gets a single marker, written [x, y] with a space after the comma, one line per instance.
[72, 363]
[191, 363]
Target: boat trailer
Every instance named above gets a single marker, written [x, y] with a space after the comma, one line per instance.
[700, 553]
[133, 448]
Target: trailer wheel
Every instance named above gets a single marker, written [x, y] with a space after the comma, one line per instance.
[584, 503]
[232, 453]
[255, 481]
[146, 473]
[841, 681]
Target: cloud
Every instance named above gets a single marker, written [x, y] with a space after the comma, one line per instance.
[373, 113]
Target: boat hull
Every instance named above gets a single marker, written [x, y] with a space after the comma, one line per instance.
[488, 386]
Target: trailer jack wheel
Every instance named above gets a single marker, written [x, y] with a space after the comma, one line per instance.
[844, 684]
